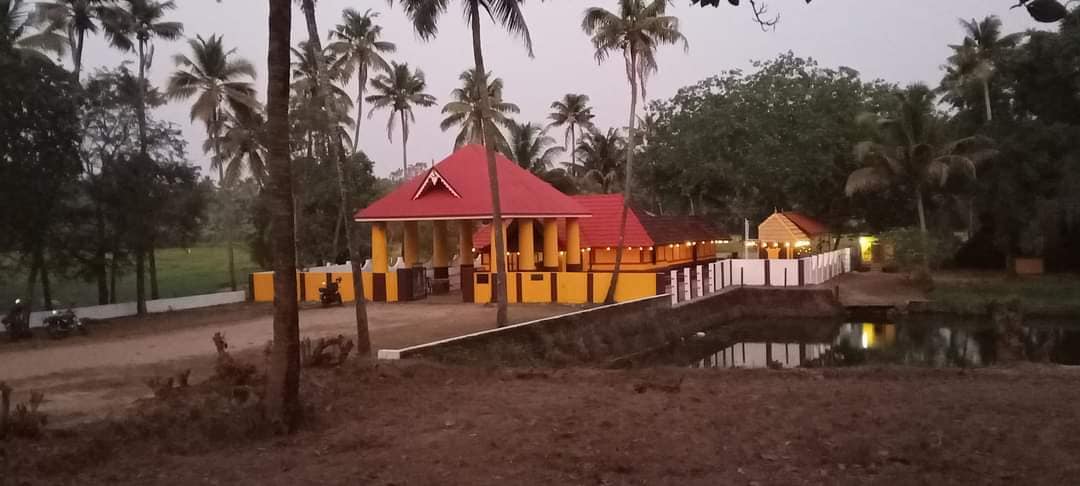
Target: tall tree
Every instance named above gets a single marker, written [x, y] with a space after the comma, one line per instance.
[217, 79]
[283, 379]
[425, 16]
[330, 129]
[531, 147]
[400, 90]
[573, 112]
[478, 125]
[133, 25]
[974, 61]
[602, 156]
[359, 49]
[912, 151]
[75, 18]
[243, 146]
[39, 162]
[635, 32]
[16, 24]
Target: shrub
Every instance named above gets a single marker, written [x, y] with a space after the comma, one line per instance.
[908, 251]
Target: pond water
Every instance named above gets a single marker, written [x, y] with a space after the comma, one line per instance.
[936, 342]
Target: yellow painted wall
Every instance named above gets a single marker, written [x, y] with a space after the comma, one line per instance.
[391, 287]
[312, 282]
[481, 292]
[535, 291]
[631, 286]
[264, 286]
[572, 288]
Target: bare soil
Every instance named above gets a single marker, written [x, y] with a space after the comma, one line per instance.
[88, 377]
[415, 423]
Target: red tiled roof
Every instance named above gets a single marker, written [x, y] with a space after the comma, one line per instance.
[678, 229]
[602, 230]
[464, 193]
[808, 225]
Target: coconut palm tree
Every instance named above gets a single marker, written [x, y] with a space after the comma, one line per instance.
[132, 25]
[634, 32]
[425, 15]
[400, 90]
[972, 62]
[217, 79]
[359, 50]
[911, 151]
[333, 135]
[531, 147]
[75, 18]
[16, 23]
[465, 111]
[243, 146]
[602, 156]
[283, 377]
[573, 112]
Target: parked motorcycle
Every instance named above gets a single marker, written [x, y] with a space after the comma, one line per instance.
[330, 293]
[60, 325]
[17, 321]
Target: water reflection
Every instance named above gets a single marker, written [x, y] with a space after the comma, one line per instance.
[790, 344]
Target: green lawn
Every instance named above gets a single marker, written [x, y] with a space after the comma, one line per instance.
[181, 272]
[971, 292]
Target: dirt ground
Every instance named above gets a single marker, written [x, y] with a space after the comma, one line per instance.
[85, 377]
[414, 423]
[876, 289]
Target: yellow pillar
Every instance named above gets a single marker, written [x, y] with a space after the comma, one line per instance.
[495, 261]
[411, 244]
[379, 261]
[551, 244]
[465, 234]
[440, 256]
[573, 245]
[527, 260]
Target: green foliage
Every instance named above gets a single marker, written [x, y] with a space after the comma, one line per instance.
[909, 253]
[464, 111]
[741, 145]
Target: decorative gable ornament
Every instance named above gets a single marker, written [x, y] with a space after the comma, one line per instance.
[433, 180]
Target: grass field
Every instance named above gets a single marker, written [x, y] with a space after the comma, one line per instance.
[181, 272]
[972, 291]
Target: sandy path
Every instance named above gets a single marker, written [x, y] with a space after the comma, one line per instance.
[86, 376]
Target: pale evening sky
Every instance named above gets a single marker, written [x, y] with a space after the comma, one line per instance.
[900, 41]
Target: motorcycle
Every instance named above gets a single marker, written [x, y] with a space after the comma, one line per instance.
[17, 321]
[330, 294]
[60, 325]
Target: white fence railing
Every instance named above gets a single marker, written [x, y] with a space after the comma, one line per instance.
[694, 282]
[124, 309]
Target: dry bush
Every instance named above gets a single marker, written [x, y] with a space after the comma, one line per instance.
[25, 421]
[227, 369]
[325, 352]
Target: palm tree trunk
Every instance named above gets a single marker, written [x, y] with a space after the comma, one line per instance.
[227, 206]
[986, 100]
[363, 337]
[100, 271]
[152, 261]
[140, 277]
[922, 226]
[363, 340]
[493, 177]
[283, 380]
[78, 54]
[361, 76]
[573, 150]
[140, 99]
[404, 147]
[31, 282]
[46, 286]
[631, 140]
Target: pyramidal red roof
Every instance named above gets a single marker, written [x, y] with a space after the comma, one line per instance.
[458, 188]
[808, 225]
